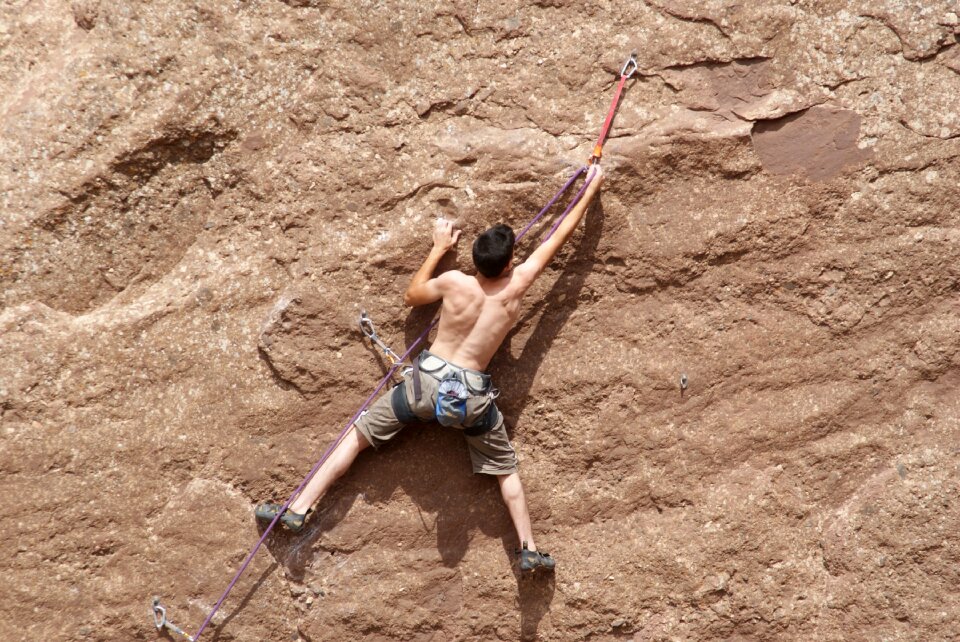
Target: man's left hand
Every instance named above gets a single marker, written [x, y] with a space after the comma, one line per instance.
[444, 236]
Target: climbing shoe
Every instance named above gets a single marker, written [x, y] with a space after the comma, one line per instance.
[535, 560]
[294, 521]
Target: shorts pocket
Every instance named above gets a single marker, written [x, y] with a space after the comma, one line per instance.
[486, 420]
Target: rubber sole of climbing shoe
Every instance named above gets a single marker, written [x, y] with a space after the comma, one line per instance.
[534, 561]
[293, 521]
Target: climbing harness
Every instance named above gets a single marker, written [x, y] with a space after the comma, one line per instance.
[626, 72]
[455, 386]
[476, 382]
[366, 326]
[161, 621]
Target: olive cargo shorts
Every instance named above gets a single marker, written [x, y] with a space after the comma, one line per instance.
[490, 452]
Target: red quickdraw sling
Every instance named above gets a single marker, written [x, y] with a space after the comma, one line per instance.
[626, 72]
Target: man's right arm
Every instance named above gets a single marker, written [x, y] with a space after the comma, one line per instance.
[534, 266]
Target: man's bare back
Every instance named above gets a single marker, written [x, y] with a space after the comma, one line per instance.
[476, 317]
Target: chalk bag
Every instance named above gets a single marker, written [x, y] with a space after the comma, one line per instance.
[451, 409]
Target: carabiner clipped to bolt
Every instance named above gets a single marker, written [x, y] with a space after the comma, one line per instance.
[631, 65]
[366, 327]
[161, 622]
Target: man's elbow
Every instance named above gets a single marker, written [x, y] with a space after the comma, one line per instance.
[412, 298]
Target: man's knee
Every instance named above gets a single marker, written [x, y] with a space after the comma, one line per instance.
[358, 440]
[510, 486]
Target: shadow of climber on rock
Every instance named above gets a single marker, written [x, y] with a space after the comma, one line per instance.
[552, 312]
[427, 465]
[534, 599]
[449, 385]
[243, 603]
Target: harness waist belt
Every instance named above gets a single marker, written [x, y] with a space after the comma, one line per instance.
[477, 382]
[438, 368]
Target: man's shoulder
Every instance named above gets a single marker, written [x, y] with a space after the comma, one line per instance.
[453, 281]
[524, 275]
[456, 276]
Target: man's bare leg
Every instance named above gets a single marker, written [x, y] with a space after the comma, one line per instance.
[513, 497]
[337, 463]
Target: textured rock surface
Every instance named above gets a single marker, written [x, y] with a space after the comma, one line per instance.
[197, 199]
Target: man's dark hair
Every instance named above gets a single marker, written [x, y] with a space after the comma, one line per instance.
[493, 250]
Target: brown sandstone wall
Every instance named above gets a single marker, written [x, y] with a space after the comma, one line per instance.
[198, 198]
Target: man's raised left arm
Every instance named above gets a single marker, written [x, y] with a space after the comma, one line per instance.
[424, 289]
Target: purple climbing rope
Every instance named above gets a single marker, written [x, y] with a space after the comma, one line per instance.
[550, 203]
[379, 387]
[576, 199]
[310, 475]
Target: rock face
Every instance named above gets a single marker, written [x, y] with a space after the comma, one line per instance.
[197, 199]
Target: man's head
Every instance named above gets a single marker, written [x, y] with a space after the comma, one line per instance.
[493, 250]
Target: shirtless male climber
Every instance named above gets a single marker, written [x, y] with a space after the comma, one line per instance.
[475, 317]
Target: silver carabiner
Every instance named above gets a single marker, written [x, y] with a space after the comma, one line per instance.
[159, 614]
[630, 64]
[160, 620]
[366, 325]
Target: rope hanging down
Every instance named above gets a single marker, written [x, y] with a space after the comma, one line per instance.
[626, 72]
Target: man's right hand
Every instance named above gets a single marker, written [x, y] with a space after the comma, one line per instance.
[595, 173]
[444, 236]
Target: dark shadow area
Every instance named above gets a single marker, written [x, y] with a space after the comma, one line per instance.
[421, 316]
[278, 379]
[216, 629]
[415, 323]
[296, 550]
[428, 463]
[534, 596]
[515, 375]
